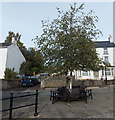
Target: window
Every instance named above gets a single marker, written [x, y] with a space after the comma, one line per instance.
[108, 71]
[106, 59]
[96, 74]
[112, 71]
[105, 51]
[85, 73]
[80, 73]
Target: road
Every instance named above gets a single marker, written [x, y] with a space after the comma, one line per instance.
[99, 107]
[20, 101]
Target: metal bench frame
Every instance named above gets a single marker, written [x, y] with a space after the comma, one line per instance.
[80, 95]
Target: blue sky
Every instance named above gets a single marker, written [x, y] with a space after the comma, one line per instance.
[25, 17]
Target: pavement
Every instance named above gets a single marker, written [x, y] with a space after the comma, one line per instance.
[101, 106]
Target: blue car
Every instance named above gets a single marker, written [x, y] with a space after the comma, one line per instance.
[30, 81]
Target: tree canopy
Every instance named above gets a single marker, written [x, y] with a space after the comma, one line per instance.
[17, 37]
[66, 42]
[34, 61]
[33, 64]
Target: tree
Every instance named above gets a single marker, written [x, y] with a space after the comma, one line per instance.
[17, 37]
[9, 37]
[34, 63]
[10, 74]
[25, 68]
[66, 42]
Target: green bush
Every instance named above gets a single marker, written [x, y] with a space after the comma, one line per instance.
[10, 74]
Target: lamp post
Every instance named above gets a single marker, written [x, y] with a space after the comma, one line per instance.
[102, 68]
[106, 73]
[105, 76]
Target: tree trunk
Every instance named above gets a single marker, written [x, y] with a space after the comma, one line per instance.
[71, 73]
[71, 81]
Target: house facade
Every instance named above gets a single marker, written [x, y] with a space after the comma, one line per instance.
[106, 51]
[10, 57]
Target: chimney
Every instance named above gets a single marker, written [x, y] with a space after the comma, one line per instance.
[110, 38]
[14, 41]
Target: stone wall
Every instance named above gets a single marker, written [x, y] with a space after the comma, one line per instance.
[53, 82]
[58, 81]
[7, 84]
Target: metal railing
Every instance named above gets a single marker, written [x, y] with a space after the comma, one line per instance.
[11, 108]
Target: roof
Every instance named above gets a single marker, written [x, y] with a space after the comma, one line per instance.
[102, 44]
[98, 44]
[5, 45]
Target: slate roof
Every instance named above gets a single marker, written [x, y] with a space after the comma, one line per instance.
[98, 44]
[5, 45]
[102, 44]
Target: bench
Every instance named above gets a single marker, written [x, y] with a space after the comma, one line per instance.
[63, 94]
[89, 93]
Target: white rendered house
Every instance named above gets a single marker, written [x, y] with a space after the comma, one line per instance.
[10, 57]
[106, 51]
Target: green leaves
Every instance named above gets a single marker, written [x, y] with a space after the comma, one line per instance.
[34, 62]
[66, 42]
[17, 37]
[10, 74]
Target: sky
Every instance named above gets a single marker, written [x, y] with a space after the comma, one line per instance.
[25, 17]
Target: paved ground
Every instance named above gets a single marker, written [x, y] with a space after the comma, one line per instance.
[99, 107]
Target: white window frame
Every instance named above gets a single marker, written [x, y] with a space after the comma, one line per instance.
[108, 72]
[106, 59]
[105, 51]
[85, 73]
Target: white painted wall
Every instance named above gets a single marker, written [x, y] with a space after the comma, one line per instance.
[100, 52]
[3, 56]
[10, 57]
[110, 51]
[14, 58]
[114, 61]
[114, 56]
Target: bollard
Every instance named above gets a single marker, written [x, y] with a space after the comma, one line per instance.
[11, 105]
[36, 104]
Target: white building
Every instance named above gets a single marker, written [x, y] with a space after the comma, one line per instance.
[106, 51]
[10, 57]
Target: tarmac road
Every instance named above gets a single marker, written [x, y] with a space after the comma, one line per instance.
[18, 101]
[101, 106]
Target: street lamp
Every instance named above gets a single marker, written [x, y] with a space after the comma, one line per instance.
[105, 75]
[104, 70]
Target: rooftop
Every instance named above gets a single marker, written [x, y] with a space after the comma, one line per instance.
[5, 45]
[102, 44]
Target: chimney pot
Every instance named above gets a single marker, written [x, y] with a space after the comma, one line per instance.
[14, 41]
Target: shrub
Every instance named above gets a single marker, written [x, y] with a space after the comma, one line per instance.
[10, 74]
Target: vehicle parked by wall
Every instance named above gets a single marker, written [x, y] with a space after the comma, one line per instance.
[30, 81]
[44, 75]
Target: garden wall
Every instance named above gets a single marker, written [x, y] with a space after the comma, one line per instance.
[7, 84]
[58, 81]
